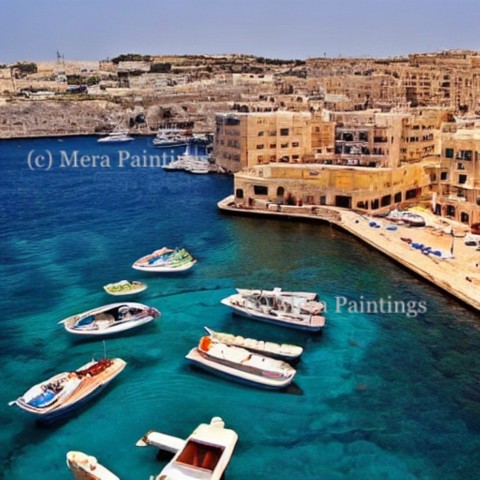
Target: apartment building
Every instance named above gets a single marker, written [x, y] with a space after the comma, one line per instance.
[367, 160]
[458, 175]
[244, 140]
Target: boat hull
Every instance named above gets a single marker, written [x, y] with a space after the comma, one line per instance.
[231, 373]
[170, 144]
[274, 321]
[160, 269]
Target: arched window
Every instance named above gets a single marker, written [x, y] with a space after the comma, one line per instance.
[280, 192]
[239, 193]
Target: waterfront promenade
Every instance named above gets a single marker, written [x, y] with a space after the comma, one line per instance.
[459, 275]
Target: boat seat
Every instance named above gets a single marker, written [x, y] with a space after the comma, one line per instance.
[104, 317]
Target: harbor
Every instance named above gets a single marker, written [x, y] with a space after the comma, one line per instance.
[459, 276]
[367, 375]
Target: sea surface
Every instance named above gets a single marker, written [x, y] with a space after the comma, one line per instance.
[377, 396]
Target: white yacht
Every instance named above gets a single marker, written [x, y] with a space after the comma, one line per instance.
[117, 136]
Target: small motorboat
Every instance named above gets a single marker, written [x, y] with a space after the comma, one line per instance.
[282, 351]
[57, 397]
[241, 365]
[110, 319]
[125, 287]
[300, 310]
[166, 260]
[205, 454]
[117, 136]
[86, 467]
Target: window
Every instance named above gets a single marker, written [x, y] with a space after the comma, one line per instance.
[239, 193]
[464, 155]
[273, 145]
[386, 200]
[260, 147]
[460, 166]
[284, 132]
[284, 145]
[411, 194]
[449, 152]
[260, 134]
[260, 190]
[462, 179]
[294, 144]
[363, 136]
[443, 175]
[398, 197]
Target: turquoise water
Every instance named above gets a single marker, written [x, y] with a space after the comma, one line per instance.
[377, 396]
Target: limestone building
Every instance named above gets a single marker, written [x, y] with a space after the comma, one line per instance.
[458, 176]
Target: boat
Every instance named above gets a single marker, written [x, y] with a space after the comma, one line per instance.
[110, 319]
[172, 137]
[404, 217]
[60, 395]
[86, 467]
[197, 166]
[175, 165]
[300, 310]
[241, 365]
[165, 260]
[205, 454]
[282, 351]
[125, 287]
[117, 136]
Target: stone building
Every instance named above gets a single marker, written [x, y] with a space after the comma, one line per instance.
[372, 190]
[367, 160]
[458, 175]
[243, 140]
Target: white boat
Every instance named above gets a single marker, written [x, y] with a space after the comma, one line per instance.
[57, 397]
[175, 165]
[110, 319]
[282, 351]
[241, 365]
[86, 467]
[172, 137]
[117, 136]
[205, 454]
[125, 287]
[165, 260]
[300, 310]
